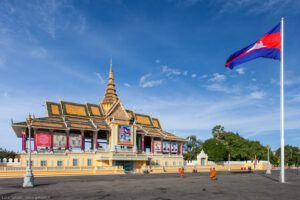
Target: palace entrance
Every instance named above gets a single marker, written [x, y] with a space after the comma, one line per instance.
[127, 165]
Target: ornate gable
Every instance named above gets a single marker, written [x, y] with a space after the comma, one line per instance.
[156, 123]
[94, 110]
[118, 112]
[143, 119]
[75, 109]
[53, 109]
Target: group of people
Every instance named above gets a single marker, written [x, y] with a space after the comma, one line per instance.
[213, 173]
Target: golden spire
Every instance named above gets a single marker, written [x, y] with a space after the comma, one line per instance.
[110, 95]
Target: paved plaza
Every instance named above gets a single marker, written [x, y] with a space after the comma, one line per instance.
[256, 185]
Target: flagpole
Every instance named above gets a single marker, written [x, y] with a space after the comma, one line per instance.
[282, 103]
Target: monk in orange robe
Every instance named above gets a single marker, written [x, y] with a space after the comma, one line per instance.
[182, 172]
[213, 174]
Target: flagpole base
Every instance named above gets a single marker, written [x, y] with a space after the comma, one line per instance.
[28, 179]
[268, 170]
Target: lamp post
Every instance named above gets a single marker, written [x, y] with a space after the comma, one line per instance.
[28, 178]
[268, 167]
[229, 168]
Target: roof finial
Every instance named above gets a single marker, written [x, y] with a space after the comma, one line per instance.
[110, 64]
[85, 101]
[59, 98]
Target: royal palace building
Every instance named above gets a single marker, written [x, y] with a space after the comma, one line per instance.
[98, 136]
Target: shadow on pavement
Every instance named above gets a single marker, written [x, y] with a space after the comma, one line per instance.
[7, 195]
[266, 176]
[242, 172]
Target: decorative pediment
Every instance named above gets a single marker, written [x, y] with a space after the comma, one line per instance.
[53, 109]
[202, 155]
[118, 112]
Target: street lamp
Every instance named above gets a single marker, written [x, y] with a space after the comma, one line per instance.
[28, 178]
[229, 168]
[268, 167]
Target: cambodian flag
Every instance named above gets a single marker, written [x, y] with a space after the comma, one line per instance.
[268, 47]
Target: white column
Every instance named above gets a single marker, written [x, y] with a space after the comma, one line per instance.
[134, 139]
[95, 138]
[282, 104]
[113, 138]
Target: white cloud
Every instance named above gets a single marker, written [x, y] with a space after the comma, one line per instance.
[240, 70]
[236, 113]
[144, 83]
[101, 79]
[185, 73]
[258, 7]
[150, 83]
[170, 71]
[290, 81]
[204, 76]
[254, 79]
[49, 16]
[127, 85]
[143, 78]
[186, 3]
[2, 62]
[38, 53]
[157, 61]
[12, 10]
[5, 94]
[258, 95]
[194, 75]
[82, 24]
[252, 87]
[295, 98]
[273, 81]
[221, 88]
[218, 77]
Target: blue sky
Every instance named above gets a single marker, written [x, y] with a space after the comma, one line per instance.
[168, 61]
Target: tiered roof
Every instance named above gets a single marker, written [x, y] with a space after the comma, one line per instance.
[68, 115]
[151, 126]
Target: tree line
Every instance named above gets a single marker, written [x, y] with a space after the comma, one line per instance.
[7, 154]
[225, 146]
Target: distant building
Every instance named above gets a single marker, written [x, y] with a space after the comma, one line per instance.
[98, 135]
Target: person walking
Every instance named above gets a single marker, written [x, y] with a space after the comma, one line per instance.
[213, 174]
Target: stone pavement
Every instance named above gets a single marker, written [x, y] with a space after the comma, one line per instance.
[256, 185]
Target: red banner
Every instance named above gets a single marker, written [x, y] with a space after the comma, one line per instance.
[43, 139]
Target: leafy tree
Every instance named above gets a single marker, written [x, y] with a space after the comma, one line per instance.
[7, 154]
[243, 149]
[215, 149]
[239, 148]
[218, 132]
[192, 147]
[273, 158]
[290, 154]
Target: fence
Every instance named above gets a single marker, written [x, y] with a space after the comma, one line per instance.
[10, 162]
[235, 162]
[2, 169]
[191, 162]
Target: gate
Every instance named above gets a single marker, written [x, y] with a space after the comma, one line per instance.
[127, 165]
